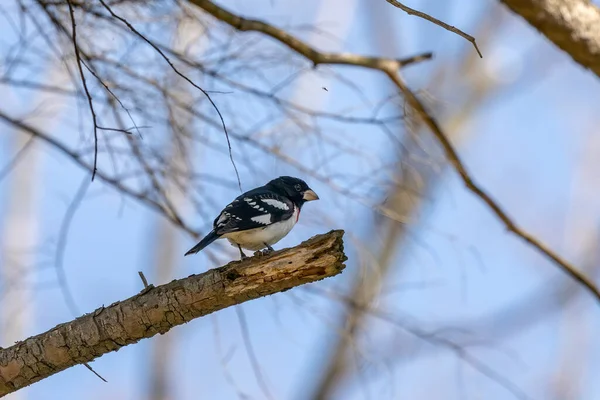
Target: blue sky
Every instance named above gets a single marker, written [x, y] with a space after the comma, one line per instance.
[531, 145]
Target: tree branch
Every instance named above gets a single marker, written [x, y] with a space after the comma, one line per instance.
[158, 309]
[572, 25]
[427, 17]
[79, 159]
[300, 47]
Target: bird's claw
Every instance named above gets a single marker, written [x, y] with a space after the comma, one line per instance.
[268, 249]
[263, 252]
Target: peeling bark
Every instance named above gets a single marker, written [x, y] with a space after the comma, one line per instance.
[158, 309]
[572, 25]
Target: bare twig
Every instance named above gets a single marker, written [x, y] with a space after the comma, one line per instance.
[420, 14]
[94, 372]
[143, 278]
[85, 87]
[164, 307]
[61, 246]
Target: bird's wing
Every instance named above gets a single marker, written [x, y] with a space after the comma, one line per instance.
[254, 209]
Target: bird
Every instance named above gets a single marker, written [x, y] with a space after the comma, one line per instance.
[261, 217]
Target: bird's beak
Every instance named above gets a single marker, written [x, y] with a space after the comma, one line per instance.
[309, 195]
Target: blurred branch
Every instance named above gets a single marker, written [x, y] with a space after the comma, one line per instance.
[365, 289]
[79, 160]
[425, 16]
[302, 48]
[572, 25]
[390, 68]
[433, 337]
[158, 309]
[459, 166]
[339, 373]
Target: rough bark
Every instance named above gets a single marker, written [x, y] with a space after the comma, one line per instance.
[572, 25]
[158, 309]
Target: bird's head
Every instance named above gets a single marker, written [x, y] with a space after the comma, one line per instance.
[296, 189]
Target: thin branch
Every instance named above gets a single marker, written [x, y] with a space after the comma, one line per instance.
[61, 246]
[297, 45]
[251, 354]
[105, 86]
[85, 87]
[94, 372]
[420, 14]
[390, 68]
[163, 307]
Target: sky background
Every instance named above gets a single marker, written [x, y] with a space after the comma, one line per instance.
[532, 146]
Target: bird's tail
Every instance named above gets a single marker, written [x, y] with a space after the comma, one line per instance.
[208, 239]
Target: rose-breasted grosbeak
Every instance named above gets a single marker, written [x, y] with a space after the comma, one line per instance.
[260, 217]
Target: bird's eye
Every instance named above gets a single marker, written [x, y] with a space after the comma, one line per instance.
[298, 187]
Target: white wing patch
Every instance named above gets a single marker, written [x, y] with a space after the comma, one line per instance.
[252, 203]
[264, 219]
[223, 217]
[276, 203]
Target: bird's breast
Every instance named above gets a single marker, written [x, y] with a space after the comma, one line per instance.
[255, 239]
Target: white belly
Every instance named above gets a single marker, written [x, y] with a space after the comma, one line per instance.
[255, 239]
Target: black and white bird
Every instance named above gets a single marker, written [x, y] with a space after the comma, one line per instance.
[260, 217]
